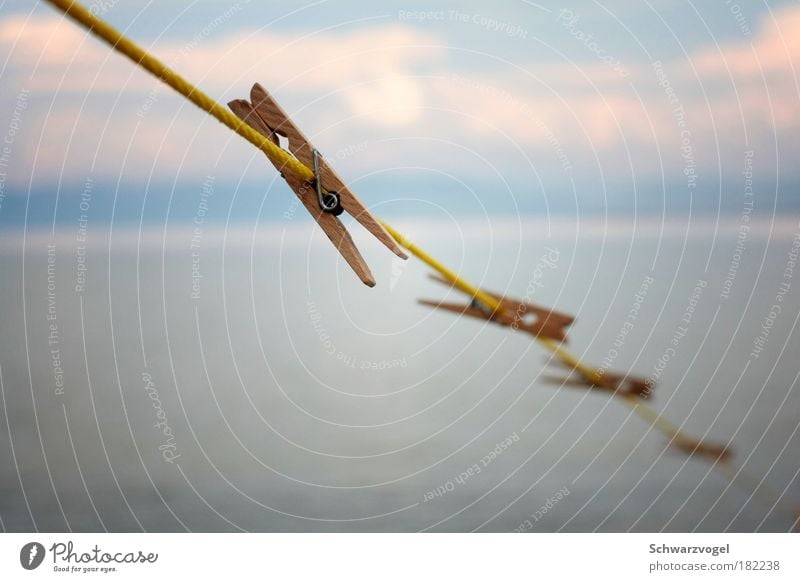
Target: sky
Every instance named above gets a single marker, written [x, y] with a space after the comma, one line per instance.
[427, 108]
[636, 140]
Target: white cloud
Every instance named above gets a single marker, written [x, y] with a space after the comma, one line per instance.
[366, 73]
[385, 80]
[776, 48]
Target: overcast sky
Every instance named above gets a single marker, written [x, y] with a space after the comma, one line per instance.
[664, 99]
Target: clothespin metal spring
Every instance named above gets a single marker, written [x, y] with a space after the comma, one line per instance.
[328, 201]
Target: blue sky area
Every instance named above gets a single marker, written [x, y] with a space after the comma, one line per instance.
[432, 109]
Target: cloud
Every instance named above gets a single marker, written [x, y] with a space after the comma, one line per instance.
[61, 57]
[366, 73]
[738, 95]
[381, 81]
[776, 48]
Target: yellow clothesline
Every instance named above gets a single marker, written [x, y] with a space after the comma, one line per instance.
[289, 163]
[282, 158]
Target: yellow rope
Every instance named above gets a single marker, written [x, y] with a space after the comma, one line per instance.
[142, 58]
[463, 285]
[555, 347]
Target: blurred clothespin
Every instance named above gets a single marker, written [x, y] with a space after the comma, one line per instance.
[325, 197]
[517, 315]
[702, 449]
[623, 385]
[633, 387]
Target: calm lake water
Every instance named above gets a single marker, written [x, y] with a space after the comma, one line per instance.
[169, 380]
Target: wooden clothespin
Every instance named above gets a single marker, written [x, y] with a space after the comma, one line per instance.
[621, 384]
[513, 313]
[629, 386]
[325, 197]
[709, 450]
